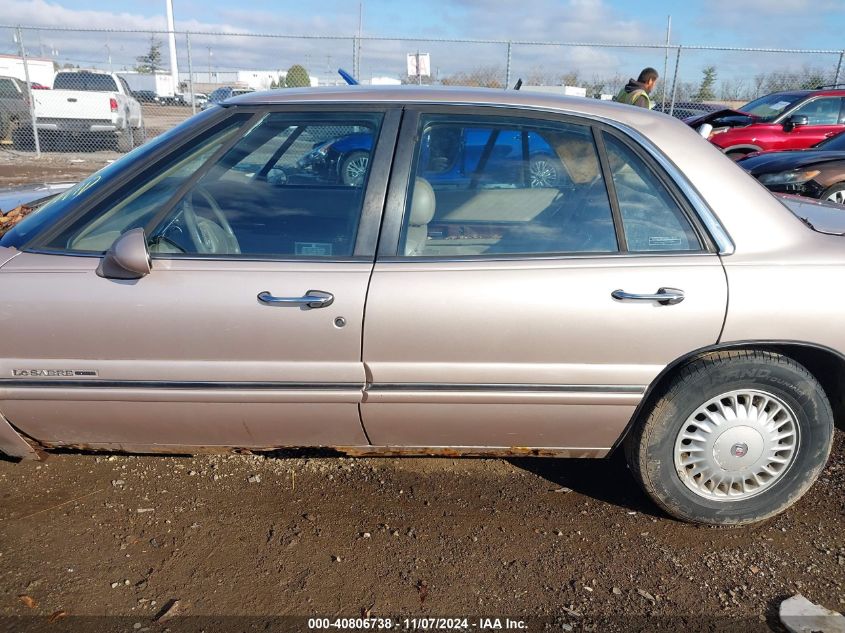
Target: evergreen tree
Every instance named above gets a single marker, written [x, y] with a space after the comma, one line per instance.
[151, 62]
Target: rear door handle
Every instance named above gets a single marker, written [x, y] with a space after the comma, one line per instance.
[664, 296]
[312, 299]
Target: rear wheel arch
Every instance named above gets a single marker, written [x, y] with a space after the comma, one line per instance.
[740, 150]
[825, 364]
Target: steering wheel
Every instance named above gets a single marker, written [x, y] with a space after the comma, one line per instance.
[209, 236]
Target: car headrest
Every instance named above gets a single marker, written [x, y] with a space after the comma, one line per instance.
[422, 203]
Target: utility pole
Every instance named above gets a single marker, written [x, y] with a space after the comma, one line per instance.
[171, 41]
[357, 70]
[32, 114]
[666, 59]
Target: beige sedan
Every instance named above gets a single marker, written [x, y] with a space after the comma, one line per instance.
[506, 274]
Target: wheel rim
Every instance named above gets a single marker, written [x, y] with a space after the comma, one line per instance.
[542, 173]
[736, 445]
[356, 169]
[837, 196]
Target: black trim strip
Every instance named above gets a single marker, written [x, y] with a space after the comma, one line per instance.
[486, 388]
[155, 384]
[48, 383]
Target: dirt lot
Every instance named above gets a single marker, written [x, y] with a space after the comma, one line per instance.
[71, 164]
[561, 543]
[18, 168]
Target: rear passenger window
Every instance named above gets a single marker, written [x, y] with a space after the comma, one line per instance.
[651, 217]
[505, 186]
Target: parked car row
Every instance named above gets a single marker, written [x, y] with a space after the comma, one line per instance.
[791, 141]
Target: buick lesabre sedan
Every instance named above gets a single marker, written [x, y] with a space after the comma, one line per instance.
[206, 293]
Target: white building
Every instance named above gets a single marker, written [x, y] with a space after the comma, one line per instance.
[40, 69]
[255, 79]
[382, 81]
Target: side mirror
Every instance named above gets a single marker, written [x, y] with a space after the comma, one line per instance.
[795, 121]
[128, 257]
[704, 130]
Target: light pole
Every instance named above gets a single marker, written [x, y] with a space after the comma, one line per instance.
[171, 41]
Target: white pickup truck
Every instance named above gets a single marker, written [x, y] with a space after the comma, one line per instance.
[85, 103]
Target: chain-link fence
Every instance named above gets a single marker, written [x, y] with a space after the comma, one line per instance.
[82, 91]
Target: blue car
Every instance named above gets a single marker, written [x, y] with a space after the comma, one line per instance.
[451, 157]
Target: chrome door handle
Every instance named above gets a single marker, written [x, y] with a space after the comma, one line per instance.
[664, 296]
[312, 299]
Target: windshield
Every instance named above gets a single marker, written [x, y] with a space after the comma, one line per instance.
[770, 107]
[64, 203]
[91, 82]
[833, 144]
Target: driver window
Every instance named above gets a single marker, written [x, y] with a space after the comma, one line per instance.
[136, 203]
[293, 186]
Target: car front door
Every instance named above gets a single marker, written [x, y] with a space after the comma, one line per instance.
[825, 117]
[514, 317]
[246, 332]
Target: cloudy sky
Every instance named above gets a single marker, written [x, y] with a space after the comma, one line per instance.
[816, 24]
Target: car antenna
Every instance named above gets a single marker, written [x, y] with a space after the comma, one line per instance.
[518, 84]
[349, 79]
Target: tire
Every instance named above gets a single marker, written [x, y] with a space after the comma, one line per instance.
[543, 172]
[5, 127]
[139, 135]
[22, 139]
[836, 193]
[678, 439]
[124, 140]
[353, 168]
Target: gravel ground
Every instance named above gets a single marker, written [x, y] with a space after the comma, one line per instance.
[563, 543]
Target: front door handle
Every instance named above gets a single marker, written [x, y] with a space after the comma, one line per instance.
[312, 299]
[664, 296]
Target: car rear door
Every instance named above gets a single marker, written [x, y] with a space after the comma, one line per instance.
[247, 332]
[509, 316]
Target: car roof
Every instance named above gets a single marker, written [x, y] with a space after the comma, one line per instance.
[824, 92]
[428, 95]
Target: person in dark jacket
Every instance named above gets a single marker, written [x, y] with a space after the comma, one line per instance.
[637, 92]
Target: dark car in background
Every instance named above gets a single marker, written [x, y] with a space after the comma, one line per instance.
[145, 96]
[687, 109]
[14, 108]
[219, 95]
[794, 119]
[818, 172]
[448, 159]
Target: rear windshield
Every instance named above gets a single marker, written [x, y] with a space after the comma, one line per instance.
[91, 82]
[770, 107]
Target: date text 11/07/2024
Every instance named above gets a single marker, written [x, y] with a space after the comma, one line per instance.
[417, 624]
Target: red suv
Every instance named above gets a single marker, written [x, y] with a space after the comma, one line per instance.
[794, 119]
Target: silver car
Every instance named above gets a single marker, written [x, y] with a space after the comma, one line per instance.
[210, 291]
